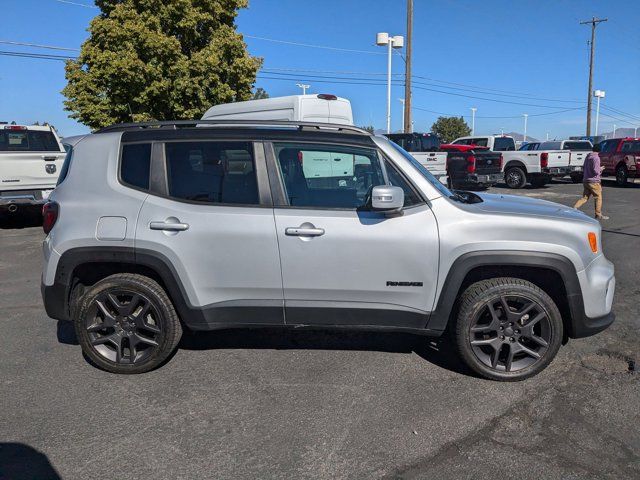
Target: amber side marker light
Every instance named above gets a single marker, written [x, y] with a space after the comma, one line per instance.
[593, 242]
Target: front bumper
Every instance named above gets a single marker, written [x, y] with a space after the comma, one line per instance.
[597, 285]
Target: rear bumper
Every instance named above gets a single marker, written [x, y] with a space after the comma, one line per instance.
[557, 171]
[482, 179]
[10, 200]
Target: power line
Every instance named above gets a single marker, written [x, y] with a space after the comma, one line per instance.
[620, 112]
[35, 45]
[501, 117]
[325, 47]
[41, 56]
[76, 3]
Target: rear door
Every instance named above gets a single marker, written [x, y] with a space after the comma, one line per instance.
[210, 217]
[342, 264]
[30, 159]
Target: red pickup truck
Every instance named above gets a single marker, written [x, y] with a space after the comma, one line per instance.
[620, 157]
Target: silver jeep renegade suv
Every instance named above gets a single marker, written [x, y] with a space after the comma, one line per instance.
[162, 226]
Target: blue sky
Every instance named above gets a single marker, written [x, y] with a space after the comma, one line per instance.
[525, 52]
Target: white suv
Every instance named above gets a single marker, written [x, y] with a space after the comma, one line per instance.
[30, 161]
[164, 226]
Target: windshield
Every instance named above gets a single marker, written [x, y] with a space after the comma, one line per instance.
[422, 169]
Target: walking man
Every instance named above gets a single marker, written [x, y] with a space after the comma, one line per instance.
[592, 182]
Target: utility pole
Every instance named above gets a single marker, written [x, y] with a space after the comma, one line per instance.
[407, 71]
[303, 87]
[594, 22]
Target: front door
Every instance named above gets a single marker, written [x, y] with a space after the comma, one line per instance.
[342, 265]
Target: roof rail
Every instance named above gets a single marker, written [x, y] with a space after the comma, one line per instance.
[175, 124]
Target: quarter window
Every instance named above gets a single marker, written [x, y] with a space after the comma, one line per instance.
[212, 172]
[324, 176]
[136, 164]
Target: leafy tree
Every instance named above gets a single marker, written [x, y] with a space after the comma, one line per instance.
[159, 60]
[450, 128]
[368, 128]
[259, 94]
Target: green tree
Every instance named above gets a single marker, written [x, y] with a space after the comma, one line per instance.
[368, 128]
[450, 128]
[159, 60]
[259, 94]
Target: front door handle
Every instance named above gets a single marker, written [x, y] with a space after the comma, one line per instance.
[168, 225]
[304, 230]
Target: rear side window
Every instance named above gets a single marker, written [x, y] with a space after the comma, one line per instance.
[28, 141]
[578, 146]
[503, 144]
[212, 172]
[633, 146]
[135, 165]
[64, 171]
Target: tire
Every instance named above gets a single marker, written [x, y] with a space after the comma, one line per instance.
[515, 177]
[497, 346]
[622, 176]
[576, 178]
[126, 323]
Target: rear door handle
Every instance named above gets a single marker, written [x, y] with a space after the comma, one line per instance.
[304, 231]
[169, 226]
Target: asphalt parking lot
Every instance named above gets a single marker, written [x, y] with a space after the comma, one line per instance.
[312, 404]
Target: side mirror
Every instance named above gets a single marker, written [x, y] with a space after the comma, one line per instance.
[385, 198]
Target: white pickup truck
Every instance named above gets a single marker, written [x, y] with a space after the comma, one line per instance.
[30, 161]
[520, 167]
[424, 147]
[579, 149]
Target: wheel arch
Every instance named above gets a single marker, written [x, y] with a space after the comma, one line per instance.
[554, 273]
[516, 163]
[82, 267]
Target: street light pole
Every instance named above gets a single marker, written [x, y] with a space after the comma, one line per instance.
[473, 120]
[598, 94]
[391, 43]
[614, 131]
[526, 115]
[402, 100]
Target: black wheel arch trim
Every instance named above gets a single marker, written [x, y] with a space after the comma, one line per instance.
[516, 163]
[57, 296]
[579, 325]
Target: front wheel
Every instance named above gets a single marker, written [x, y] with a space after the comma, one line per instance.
[126, 323]
[507, 329]
[515, 177]
[622, 176]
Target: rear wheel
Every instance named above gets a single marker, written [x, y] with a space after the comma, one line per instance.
[622, 176]
[507, 329]
[126, 323]
[515, 177]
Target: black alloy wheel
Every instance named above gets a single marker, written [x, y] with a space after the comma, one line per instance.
[507, 328]
[126, 323]
[515, 177]
[123, 326]
[510, 333]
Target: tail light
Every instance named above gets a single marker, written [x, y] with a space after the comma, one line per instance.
[50, 212]
[471, 164]
[327, 96]
[544, 159]
[500, 162]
